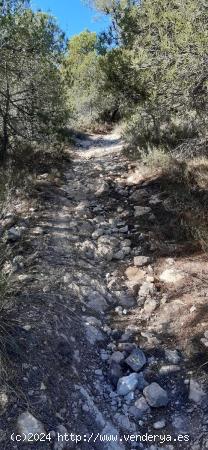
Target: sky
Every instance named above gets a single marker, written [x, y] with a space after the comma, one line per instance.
[72, 15]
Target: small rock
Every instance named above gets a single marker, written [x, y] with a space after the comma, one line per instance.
[129, 397]
[97, 233]
[196, 394]
[117, 357]
[126, 346]
[140, 211]
[165, 370]
[14, 234]
[119, 255]
[27, 424]
[127, 384]
[125, 299]
[27, 327]
[136, 360]
[139, 196]
[150, 306]
[141, 261]
[155, 395]
[140, 408]
[99, 372]
[123, 422]
[124, 229]
[97, 303]
[159, 424]
[135, 274]
[172, 356]
[155, 200]
[147, 289]
[172, 276]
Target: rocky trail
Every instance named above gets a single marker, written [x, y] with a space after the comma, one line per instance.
[110, 316]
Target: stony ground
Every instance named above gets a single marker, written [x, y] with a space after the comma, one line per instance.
[109, 328]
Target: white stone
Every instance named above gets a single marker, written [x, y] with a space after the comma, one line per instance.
[27, 424]
[172, 276]
[196, 394]
[140, 261]
[159, 424]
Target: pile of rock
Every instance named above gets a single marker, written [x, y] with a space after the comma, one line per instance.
[127, 375]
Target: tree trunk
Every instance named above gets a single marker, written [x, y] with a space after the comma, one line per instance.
[5, 135]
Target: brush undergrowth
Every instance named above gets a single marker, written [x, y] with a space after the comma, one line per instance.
[187, 183]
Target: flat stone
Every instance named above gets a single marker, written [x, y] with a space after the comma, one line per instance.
[141, 211]
[141, 261]
[135, 274]
[155, 395]
[136, 360]
[127, 384]
[27, 424]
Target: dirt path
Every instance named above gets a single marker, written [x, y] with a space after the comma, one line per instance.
[83, 317]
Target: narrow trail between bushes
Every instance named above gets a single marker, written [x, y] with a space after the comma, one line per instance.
[108, 295]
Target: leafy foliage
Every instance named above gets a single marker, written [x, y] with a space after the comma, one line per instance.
[85, 79]
[157, 68]
[31, 91]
